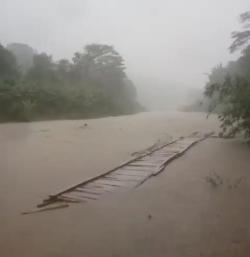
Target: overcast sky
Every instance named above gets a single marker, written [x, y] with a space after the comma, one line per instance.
[166, 40]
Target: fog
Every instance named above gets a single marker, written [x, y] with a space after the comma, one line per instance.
[168, 45]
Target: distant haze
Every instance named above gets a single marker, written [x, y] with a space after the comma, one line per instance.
[168, 45]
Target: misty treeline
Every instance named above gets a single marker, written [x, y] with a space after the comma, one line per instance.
[229, 86]
[94, 83]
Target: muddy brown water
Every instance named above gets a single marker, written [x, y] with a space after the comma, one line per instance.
[188, 217]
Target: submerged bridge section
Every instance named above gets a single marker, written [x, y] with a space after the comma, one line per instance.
[124, 177]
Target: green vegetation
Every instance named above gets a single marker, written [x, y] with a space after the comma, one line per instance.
[93, 84]
[229, 86]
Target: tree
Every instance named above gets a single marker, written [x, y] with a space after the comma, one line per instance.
[102, 68]
[234, 95]
[43, 69]
[24, 55]
[241, 38]
[94, 84]
[8, 65]
[215, 78]
[230, 87]
[101, 63]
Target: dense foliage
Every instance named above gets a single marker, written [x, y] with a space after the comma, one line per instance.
[93, 84]
[229, 87]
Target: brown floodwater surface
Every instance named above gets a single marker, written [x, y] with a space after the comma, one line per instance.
[178, 213]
